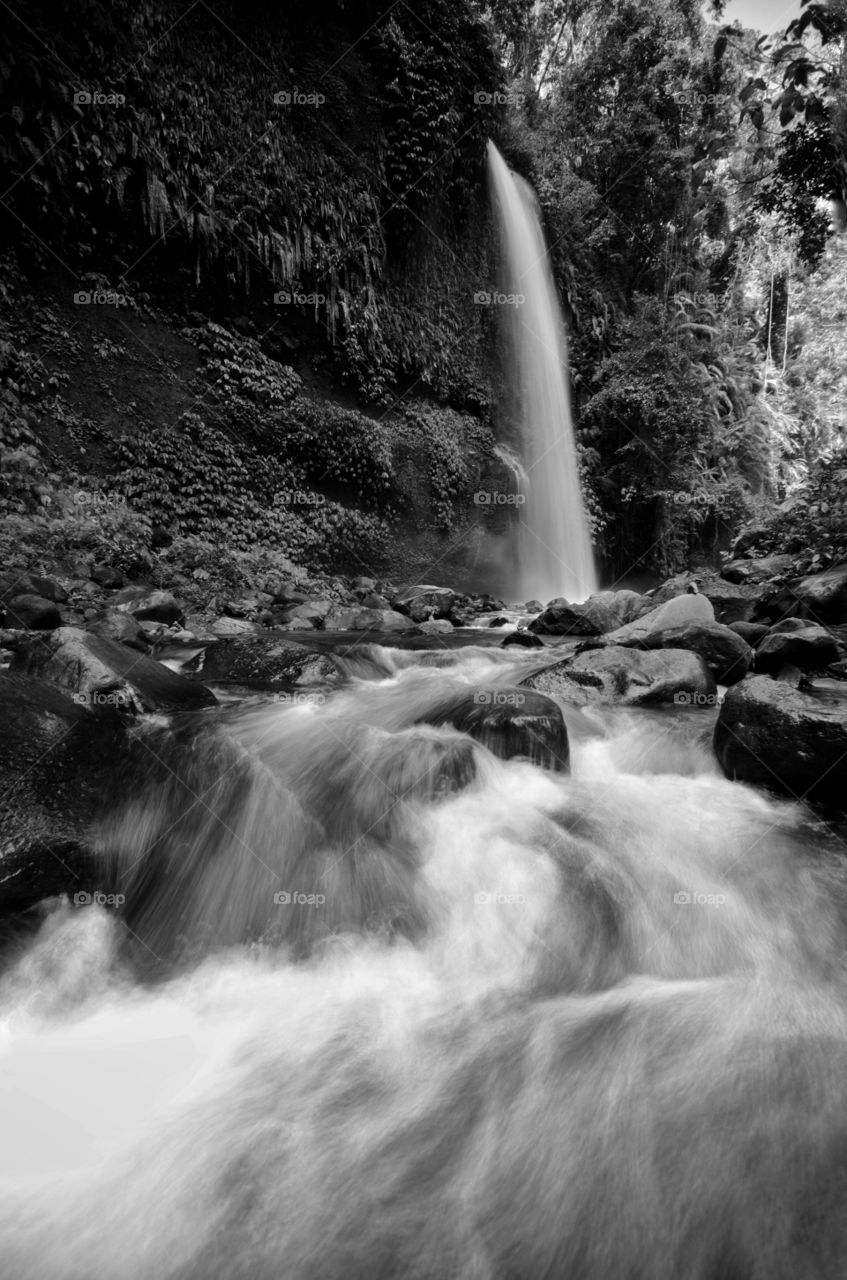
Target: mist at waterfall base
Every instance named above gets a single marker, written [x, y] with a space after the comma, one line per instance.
[380, 1004]
[551, 553]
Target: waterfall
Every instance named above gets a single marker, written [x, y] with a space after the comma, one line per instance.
[553, 554]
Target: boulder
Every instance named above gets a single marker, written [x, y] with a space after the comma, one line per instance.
[313, 611]
[755, 571]
[628, 676]
[679, 611]
[122, 627]
[266, 662]
[687, 622]
[533, 606]
[143, 602]
[354, 618]
[436, 627]
[29, 584]
[748, 539]
[509, 722]
[35, 613]
[55, 759]
[773, 735]
[600, 613]
[732, 602]
[233, 627]
[107, 577]
[248, 606]
[809, 647]
[423, 602]
[752, 632]
[820, 596]
[525, 639]
[103, 675]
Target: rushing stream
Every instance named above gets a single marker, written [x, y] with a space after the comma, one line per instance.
[392, 1007]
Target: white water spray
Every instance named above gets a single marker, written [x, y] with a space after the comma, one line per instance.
[553, 552]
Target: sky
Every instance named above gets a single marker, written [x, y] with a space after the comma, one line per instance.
[764, 15]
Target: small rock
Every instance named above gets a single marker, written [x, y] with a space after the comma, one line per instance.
[436, 627]
[121, 627]
[144, 603]
[107, 577]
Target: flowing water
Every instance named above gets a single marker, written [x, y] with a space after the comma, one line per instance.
[553, 548]
[380, 1004]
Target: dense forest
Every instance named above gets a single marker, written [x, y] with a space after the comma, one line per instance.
[283, 218]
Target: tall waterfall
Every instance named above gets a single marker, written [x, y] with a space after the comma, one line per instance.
[553, 553]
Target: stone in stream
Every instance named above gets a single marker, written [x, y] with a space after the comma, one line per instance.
[423, 602]
[510, 722]
[808, 646]
[599, 614]
[687, 622]
[627, 676]
[267, 661]
[357, 618]
[524, 639]
[56, 759]
[773, 735]
[145, 603]
[103, 674]
[112, 624]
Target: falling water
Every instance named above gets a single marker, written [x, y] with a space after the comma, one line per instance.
[553, 551]
[382, 1004]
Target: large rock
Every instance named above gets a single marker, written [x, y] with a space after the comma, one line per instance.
[510, 722]
[311, 612]
[821, 596]
[33, 612]
[773, 735]
[629, 676]
[55, 761]
[687, 622]
[808, 646]
[423, 602]
[266, 662]
[104, 675]
[600, 613]
[353, 618]
[122, 627]
[755, 571]
[732, 602]
[752, 632]
[31, 584]
[145, 603]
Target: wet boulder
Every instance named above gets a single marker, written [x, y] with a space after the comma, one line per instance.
[358, 618]
[422, 602]
[311, 613]
[523, 639]
[600, 613]
[32, 612]
[112, 624]
[145, 603]
[266, 661]
[55, 761]
[436, 627]
[773, 735]
[808, 646]
[687, 622]
[510, 722]
[626, 676]
[821, 597]
[104, 675]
